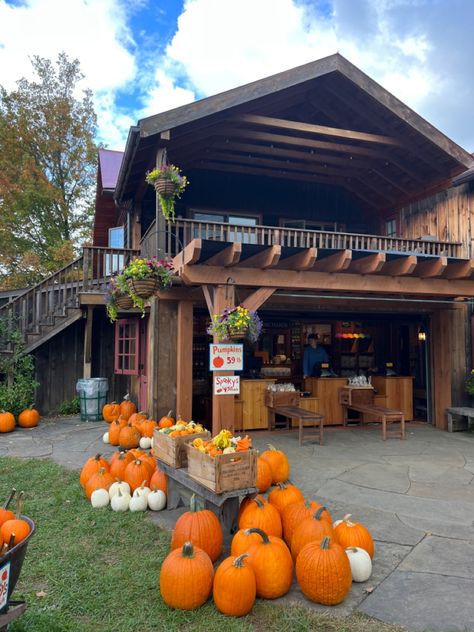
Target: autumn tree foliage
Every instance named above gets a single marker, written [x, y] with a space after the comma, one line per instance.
[48, 160]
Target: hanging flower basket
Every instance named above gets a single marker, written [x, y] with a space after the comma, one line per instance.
[165, 187]
[169, 184]
[144, 288]
[237, 335]
[124, 302]
[235, 323]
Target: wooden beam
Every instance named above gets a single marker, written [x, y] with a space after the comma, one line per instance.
[208, 299]
[189, 255]
[459, 270]
[303, 260]
[335, 282]
[222, 405]
[227, 257]
[429, 269]
[321, 130]
[184, 366]
[400, 266]
[87, 367]
[255, 300]
[337, 262]
[267, 258]
[369, 264]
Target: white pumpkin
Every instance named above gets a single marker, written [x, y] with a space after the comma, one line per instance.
[156, 500]
[105, 437]
[361, 564]
[138, 503]
[143, 490]
[121, 501]
[122, 485]
[145, 443]
[100, 498]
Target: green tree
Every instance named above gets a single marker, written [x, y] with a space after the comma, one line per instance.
[48, 161]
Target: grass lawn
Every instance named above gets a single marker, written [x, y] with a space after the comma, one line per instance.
[100, 569]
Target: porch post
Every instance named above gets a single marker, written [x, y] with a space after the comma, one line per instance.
[440, 346]
[223, 408]
[87, 368]
[160, 222]
[184, 361]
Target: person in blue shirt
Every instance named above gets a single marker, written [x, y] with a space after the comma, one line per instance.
[313, 357]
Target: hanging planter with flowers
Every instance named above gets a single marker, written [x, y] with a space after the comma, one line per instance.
[169, 184]
[236, 323]
[116, 297]
[144, 277]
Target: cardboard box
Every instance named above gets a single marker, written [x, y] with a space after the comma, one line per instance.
[171, 450]
[224, 472]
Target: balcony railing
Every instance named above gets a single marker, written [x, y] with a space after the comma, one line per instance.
[182, 231]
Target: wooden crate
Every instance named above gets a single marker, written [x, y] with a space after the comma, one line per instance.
[282, 398]
[171, 450]
[224, 472]
[356, 395]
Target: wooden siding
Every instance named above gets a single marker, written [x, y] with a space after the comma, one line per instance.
[103, 357]
[105, 217]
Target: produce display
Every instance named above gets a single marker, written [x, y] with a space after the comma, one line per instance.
[182, 428]
[223, 443]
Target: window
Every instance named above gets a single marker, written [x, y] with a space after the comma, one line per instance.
[235, 219]
[312, 225]
[391, 227]
[115, 262]
[127, 334]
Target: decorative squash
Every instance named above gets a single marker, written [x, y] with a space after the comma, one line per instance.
[137, 472]
[264, 475]
[148, 427]
[261, 515]
[353, 534]
[5, 513]
[119, 463]
[160, 480]
[278, 462]
[246, 501]
[323, 572]
[120, 501]
[311, 530]
[119, 485]
[242, 540]
[201, 527]
[7, 422]
[361, 564]
[285, 494]
[28, 418]
[235, 588]
[129, 437]
[114, 430]
[111, 412]
[100, 480]
[127, 408]
[92, 466]
[16, 529]
[167, 421]
[295, 513]
[272, 564]
[186, 577]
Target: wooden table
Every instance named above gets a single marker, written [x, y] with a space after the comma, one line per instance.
[226, 505]
[461, 411]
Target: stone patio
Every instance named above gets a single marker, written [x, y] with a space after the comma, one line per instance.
[416, 496]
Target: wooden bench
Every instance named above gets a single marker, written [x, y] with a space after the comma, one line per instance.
[300, 415]
[461, 411]
[226, 505]
[384, 415]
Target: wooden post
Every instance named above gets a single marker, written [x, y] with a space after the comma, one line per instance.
[160, 222]
[184, 361]
[152, 359]
[441, 366]
[223, 408]
[87, 370]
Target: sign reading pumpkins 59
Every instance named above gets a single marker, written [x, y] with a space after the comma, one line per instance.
[226, 357]
[226, 384]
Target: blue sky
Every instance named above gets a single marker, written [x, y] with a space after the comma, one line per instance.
[141, 57]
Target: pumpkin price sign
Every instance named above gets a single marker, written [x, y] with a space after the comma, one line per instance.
[226, 384]
[226, 357]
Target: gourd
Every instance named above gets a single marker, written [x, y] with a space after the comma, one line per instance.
[143, 490]
[105, 437]
[262, 515]
[186, 577]
[5, 513]
[138, 503]
[350, 533]
[278, 462]
[310, 530]
[100, 498]
[7, 422]
[160, 480]
[323, 572]
[235, 587]
[201, 527]
[127, 408]
[16, 529]
[120, 501]
[167, 421]
[285, 494]
[122, 485]
[264, 475]
[294, 514]
[360, 562]
[28, 418]
[145, 443]
[92, 466]
[136, 473]
[129, 437]
[156, 499]
[272, 564]
[111, 412]
[100, 480]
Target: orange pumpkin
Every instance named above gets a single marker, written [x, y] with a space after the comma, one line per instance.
[28, 418]
[159, 480]
[278, 462]
[272, 564]
[350, 533]
[136, 419]
[7, 422]
[264, 475]
[285, 494]
[114, 430]
[148, 427]
[100, 480]
[201, 527]
[129, 437]
[167, 421]
[186, 577]
[119, 464]
[310, 530]
[323, 572]
[263, 516]
[246, 501]
[16, 529]
[111, 412]
[5, 513]
[242, 540]
[234, 587]
[92, 466]
[127, 408]
[136, 473]
[295, 513]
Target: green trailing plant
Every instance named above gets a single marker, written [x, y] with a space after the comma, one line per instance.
[469, 383]
[139, 269]
[177, 184]
[70, 407]
[117, 287]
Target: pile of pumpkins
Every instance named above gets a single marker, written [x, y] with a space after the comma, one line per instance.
[28, 418]
[13, 529]
[130, 429]
[277, 537]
